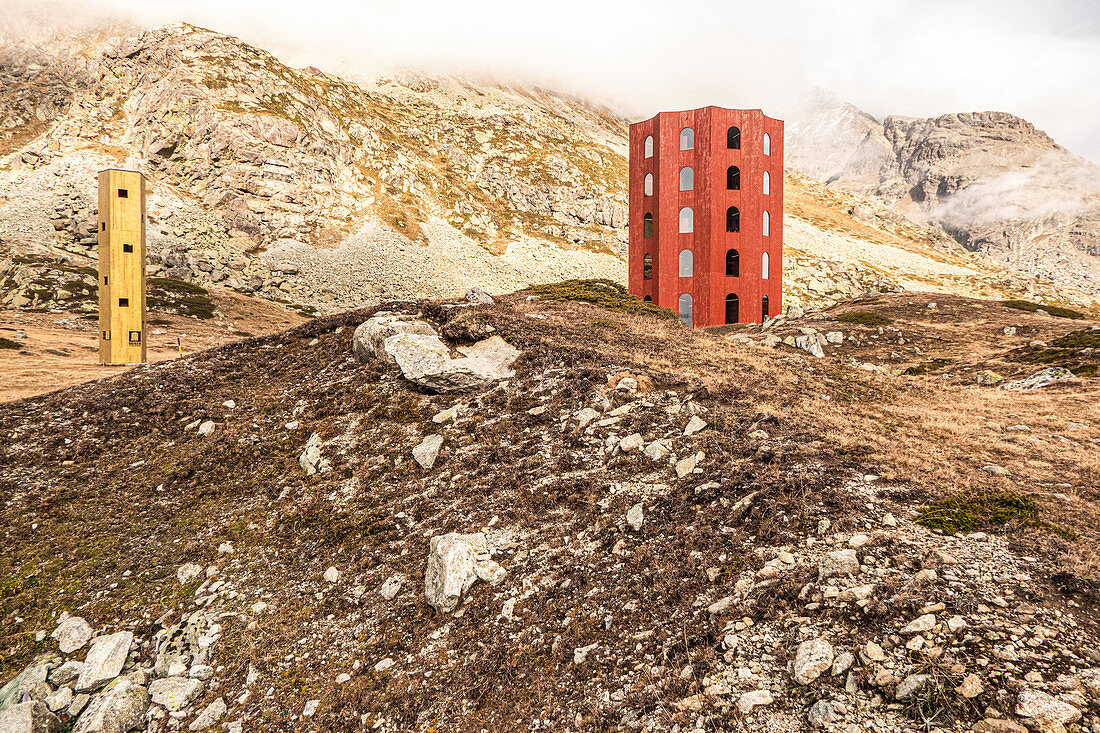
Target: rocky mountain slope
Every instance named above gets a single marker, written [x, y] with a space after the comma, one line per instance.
[631, 526]
[329, 193]
[991, 180]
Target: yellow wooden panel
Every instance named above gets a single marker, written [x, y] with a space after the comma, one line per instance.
[122, 227]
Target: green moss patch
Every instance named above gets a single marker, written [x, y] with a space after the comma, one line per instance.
[1078, 351]
[168, 294]
[926, 366]
[983, 509]
[864, 318]
[1027, 305]
[604, 293]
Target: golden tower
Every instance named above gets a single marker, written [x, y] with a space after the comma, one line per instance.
[121, 267]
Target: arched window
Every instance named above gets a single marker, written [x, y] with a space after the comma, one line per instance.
[733, 263]
[685, 263]
[764, 308]
[765, 266]
[733, 138]
[648, 187]
[767, 224]
[733, 219]
[733, 178]
[687, 139]
[733, 309]
[687, 179]
[649, 147]
[647, 225]
[647, 267]
[687, 220]
[767, 144]
[648, 299]
[684, 308]
[767, 183]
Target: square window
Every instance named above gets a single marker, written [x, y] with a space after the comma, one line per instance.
[104, 279]
[106, 335]
[127, 248]
[123, 193]
[103, 226]
[135, 337]
[124, 302]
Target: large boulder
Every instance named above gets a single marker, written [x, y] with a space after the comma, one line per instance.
[104, 661]
[29, 717]
[426, 360]
[13, 692]
[367, 341]
[119, 708]
[456, 562]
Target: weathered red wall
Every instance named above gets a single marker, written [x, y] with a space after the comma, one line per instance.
[709, 242]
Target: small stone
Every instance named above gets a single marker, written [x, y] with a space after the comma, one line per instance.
[342, 678]
[971, 686]
[392, 586]
[206, 427]
[225, 548]
[210, 715]
[821, 714]
[428, 450]
[175, 693]
[384, 664]
[838, 563]
[657, 451]
[631, 443]
[919, 625]
[842, 663]
[310, 708]
[580, 654]
[909, 685]
[753, 699]
[812, 658]
[686, 465]
[72, 633]
[872, 652]
[695, 424]
[63, 698]
[201, 672]
[1044, 709]
[997, 725]
[635, 517]
[332, 575]
[888, 520]
[188, 572]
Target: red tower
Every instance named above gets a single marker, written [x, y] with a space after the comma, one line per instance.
[706, 214]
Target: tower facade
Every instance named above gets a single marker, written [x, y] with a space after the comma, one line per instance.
[121, 267]
[706, 214]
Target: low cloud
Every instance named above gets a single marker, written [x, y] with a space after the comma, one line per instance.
[1038, 60]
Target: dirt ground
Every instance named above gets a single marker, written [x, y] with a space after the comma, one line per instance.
[61, 350]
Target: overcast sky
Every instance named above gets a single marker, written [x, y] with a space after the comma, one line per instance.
[1040, 60]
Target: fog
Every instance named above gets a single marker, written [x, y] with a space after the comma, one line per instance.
[923, 58]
